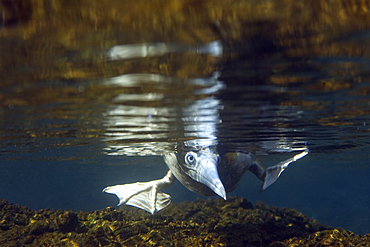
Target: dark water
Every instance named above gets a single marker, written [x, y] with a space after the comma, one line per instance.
[64, 139]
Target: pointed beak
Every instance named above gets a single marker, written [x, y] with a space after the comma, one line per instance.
[207, 174]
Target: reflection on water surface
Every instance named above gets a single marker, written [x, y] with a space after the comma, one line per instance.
[265, 78]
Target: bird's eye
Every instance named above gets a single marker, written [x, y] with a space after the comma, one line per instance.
[190, 158]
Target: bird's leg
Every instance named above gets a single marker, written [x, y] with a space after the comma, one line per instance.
[144, 195]
[271, 174]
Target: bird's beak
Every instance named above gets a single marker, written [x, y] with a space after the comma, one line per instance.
[207, 174]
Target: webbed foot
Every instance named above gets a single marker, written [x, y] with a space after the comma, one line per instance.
[273, 173]
[144, 195]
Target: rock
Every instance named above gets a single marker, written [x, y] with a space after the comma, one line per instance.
[205, 222]
[67, 221]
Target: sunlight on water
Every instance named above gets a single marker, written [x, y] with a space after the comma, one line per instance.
[98, 104]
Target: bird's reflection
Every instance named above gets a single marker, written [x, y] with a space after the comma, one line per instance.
[178, 119]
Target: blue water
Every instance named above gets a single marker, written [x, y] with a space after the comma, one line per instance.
[59, 152]
[328, 187]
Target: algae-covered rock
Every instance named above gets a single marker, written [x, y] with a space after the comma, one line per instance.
[335, 237]
[234, 222]
[67, 221]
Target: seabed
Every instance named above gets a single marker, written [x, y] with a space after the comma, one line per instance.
[47, 30]
[212, 222]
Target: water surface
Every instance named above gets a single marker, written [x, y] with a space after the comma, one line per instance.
[75, 118]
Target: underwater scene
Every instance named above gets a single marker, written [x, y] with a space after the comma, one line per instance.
[209, 123]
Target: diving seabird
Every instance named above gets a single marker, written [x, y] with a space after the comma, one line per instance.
[201, 170]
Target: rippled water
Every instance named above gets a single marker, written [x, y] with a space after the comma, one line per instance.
[109, 117]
